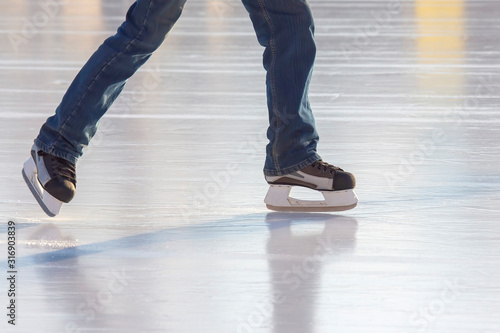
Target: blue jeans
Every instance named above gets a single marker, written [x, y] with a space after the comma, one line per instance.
[284, 27]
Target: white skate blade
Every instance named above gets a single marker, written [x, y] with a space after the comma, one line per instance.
[278, 199]
[49, 204]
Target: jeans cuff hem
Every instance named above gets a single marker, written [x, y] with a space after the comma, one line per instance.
[46, 148]
[296, 167]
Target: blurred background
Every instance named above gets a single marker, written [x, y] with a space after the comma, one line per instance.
[405, 95]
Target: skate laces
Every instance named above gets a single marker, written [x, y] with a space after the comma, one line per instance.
[323, 166]
[61, 167]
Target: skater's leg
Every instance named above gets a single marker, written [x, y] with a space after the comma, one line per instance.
[286, 29]
[103, 77]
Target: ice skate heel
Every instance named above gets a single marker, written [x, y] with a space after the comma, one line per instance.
[278, 199]
[50, 205]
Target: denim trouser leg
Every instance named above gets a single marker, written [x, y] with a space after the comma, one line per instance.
[286, 29]
[103, 77]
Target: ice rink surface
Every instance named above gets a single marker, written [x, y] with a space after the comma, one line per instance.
[163, 237]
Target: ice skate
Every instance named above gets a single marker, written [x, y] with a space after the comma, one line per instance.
[332, 182]
[52, 180]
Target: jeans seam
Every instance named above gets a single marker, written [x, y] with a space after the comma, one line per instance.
[272, 80]
[96, 77]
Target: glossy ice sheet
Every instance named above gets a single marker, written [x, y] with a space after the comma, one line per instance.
[161, 237]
